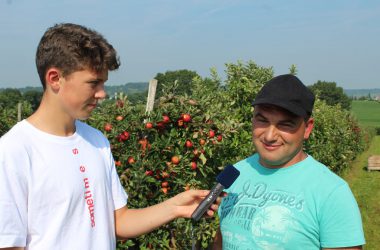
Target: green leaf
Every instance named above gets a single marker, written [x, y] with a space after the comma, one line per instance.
[203, 158]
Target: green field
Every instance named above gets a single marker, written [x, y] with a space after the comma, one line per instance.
[366, 188]
[367, 112]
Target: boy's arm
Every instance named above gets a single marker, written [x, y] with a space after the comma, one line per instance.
[12, 248]
[130, 223]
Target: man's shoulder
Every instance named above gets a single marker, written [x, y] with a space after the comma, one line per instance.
[247, 163]
[320, 167]
[323, 174]
[246, 160]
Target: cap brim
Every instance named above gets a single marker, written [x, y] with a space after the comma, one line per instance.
[292, 108]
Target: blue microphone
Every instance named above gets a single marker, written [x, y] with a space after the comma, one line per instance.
[224, 180]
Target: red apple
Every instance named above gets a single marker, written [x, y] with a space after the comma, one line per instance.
[186, 117]
[165, 118]
[180, 122]
[149, 125]
[188, 144]
[211, 133]
[108, 127]
[149, 173]
[165, 175]
[126, 134]
[131, 160]
[175, 160]
[202, 141]
[193, 165]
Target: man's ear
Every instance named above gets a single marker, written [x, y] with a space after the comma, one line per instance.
[309, 127]
[52, 78]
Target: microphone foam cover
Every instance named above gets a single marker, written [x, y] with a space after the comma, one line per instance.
[228, 176]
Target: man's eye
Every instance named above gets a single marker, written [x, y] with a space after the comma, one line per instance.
[259, 121]
[286, 125]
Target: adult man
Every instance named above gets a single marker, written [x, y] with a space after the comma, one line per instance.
[283, 198]
[58, 185]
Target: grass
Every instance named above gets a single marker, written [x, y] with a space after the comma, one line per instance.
[366, 188]
[367, 113]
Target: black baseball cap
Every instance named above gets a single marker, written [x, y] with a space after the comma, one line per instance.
[287, 92]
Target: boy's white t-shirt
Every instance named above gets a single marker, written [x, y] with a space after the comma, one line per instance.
[58, 192]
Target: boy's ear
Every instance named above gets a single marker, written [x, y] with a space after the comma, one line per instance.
[53, 77]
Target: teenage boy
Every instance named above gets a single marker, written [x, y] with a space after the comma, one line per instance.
[283, 198]
[58, 185]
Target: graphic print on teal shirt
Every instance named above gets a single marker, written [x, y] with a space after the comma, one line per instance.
[279, 208]
[265, 214]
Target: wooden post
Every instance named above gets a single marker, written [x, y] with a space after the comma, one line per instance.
[151, 95]
[19, 111]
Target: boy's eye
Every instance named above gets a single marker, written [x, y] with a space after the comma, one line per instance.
[94, 84]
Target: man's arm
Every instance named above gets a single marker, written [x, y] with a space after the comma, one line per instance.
[131, 223]
[217, 245]
[344, 248]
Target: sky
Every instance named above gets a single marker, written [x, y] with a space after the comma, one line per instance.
[335, 41]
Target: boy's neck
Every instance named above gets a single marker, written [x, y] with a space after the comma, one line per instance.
[52, 120]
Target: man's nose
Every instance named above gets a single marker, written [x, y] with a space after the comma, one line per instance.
[270, 134]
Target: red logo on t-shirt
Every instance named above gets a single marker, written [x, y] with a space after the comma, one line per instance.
[89, 201]
[88, 196]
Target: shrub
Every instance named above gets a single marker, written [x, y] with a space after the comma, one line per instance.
[336, 139]
[176, 147]
[8, 116]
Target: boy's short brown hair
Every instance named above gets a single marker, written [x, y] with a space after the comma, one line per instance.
[71, 47]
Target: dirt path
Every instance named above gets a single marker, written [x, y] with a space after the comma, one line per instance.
[366, 188]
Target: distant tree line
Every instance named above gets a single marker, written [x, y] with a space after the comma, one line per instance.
[368, 97]
[10, 97]
[326, 91]
[180, 80]
[331, 94]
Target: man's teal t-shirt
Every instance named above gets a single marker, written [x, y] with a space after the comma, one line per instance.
[304, 206]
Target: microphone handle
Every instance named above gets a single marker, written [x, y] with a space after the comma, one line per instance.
[207, 202]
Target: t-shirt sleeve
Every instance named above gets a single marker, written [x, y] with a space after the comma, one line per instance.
[340, 221]
[13, 197]
[119, 195]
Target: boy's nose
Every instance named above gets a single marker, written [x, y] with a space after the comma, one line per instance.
[101, 92]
